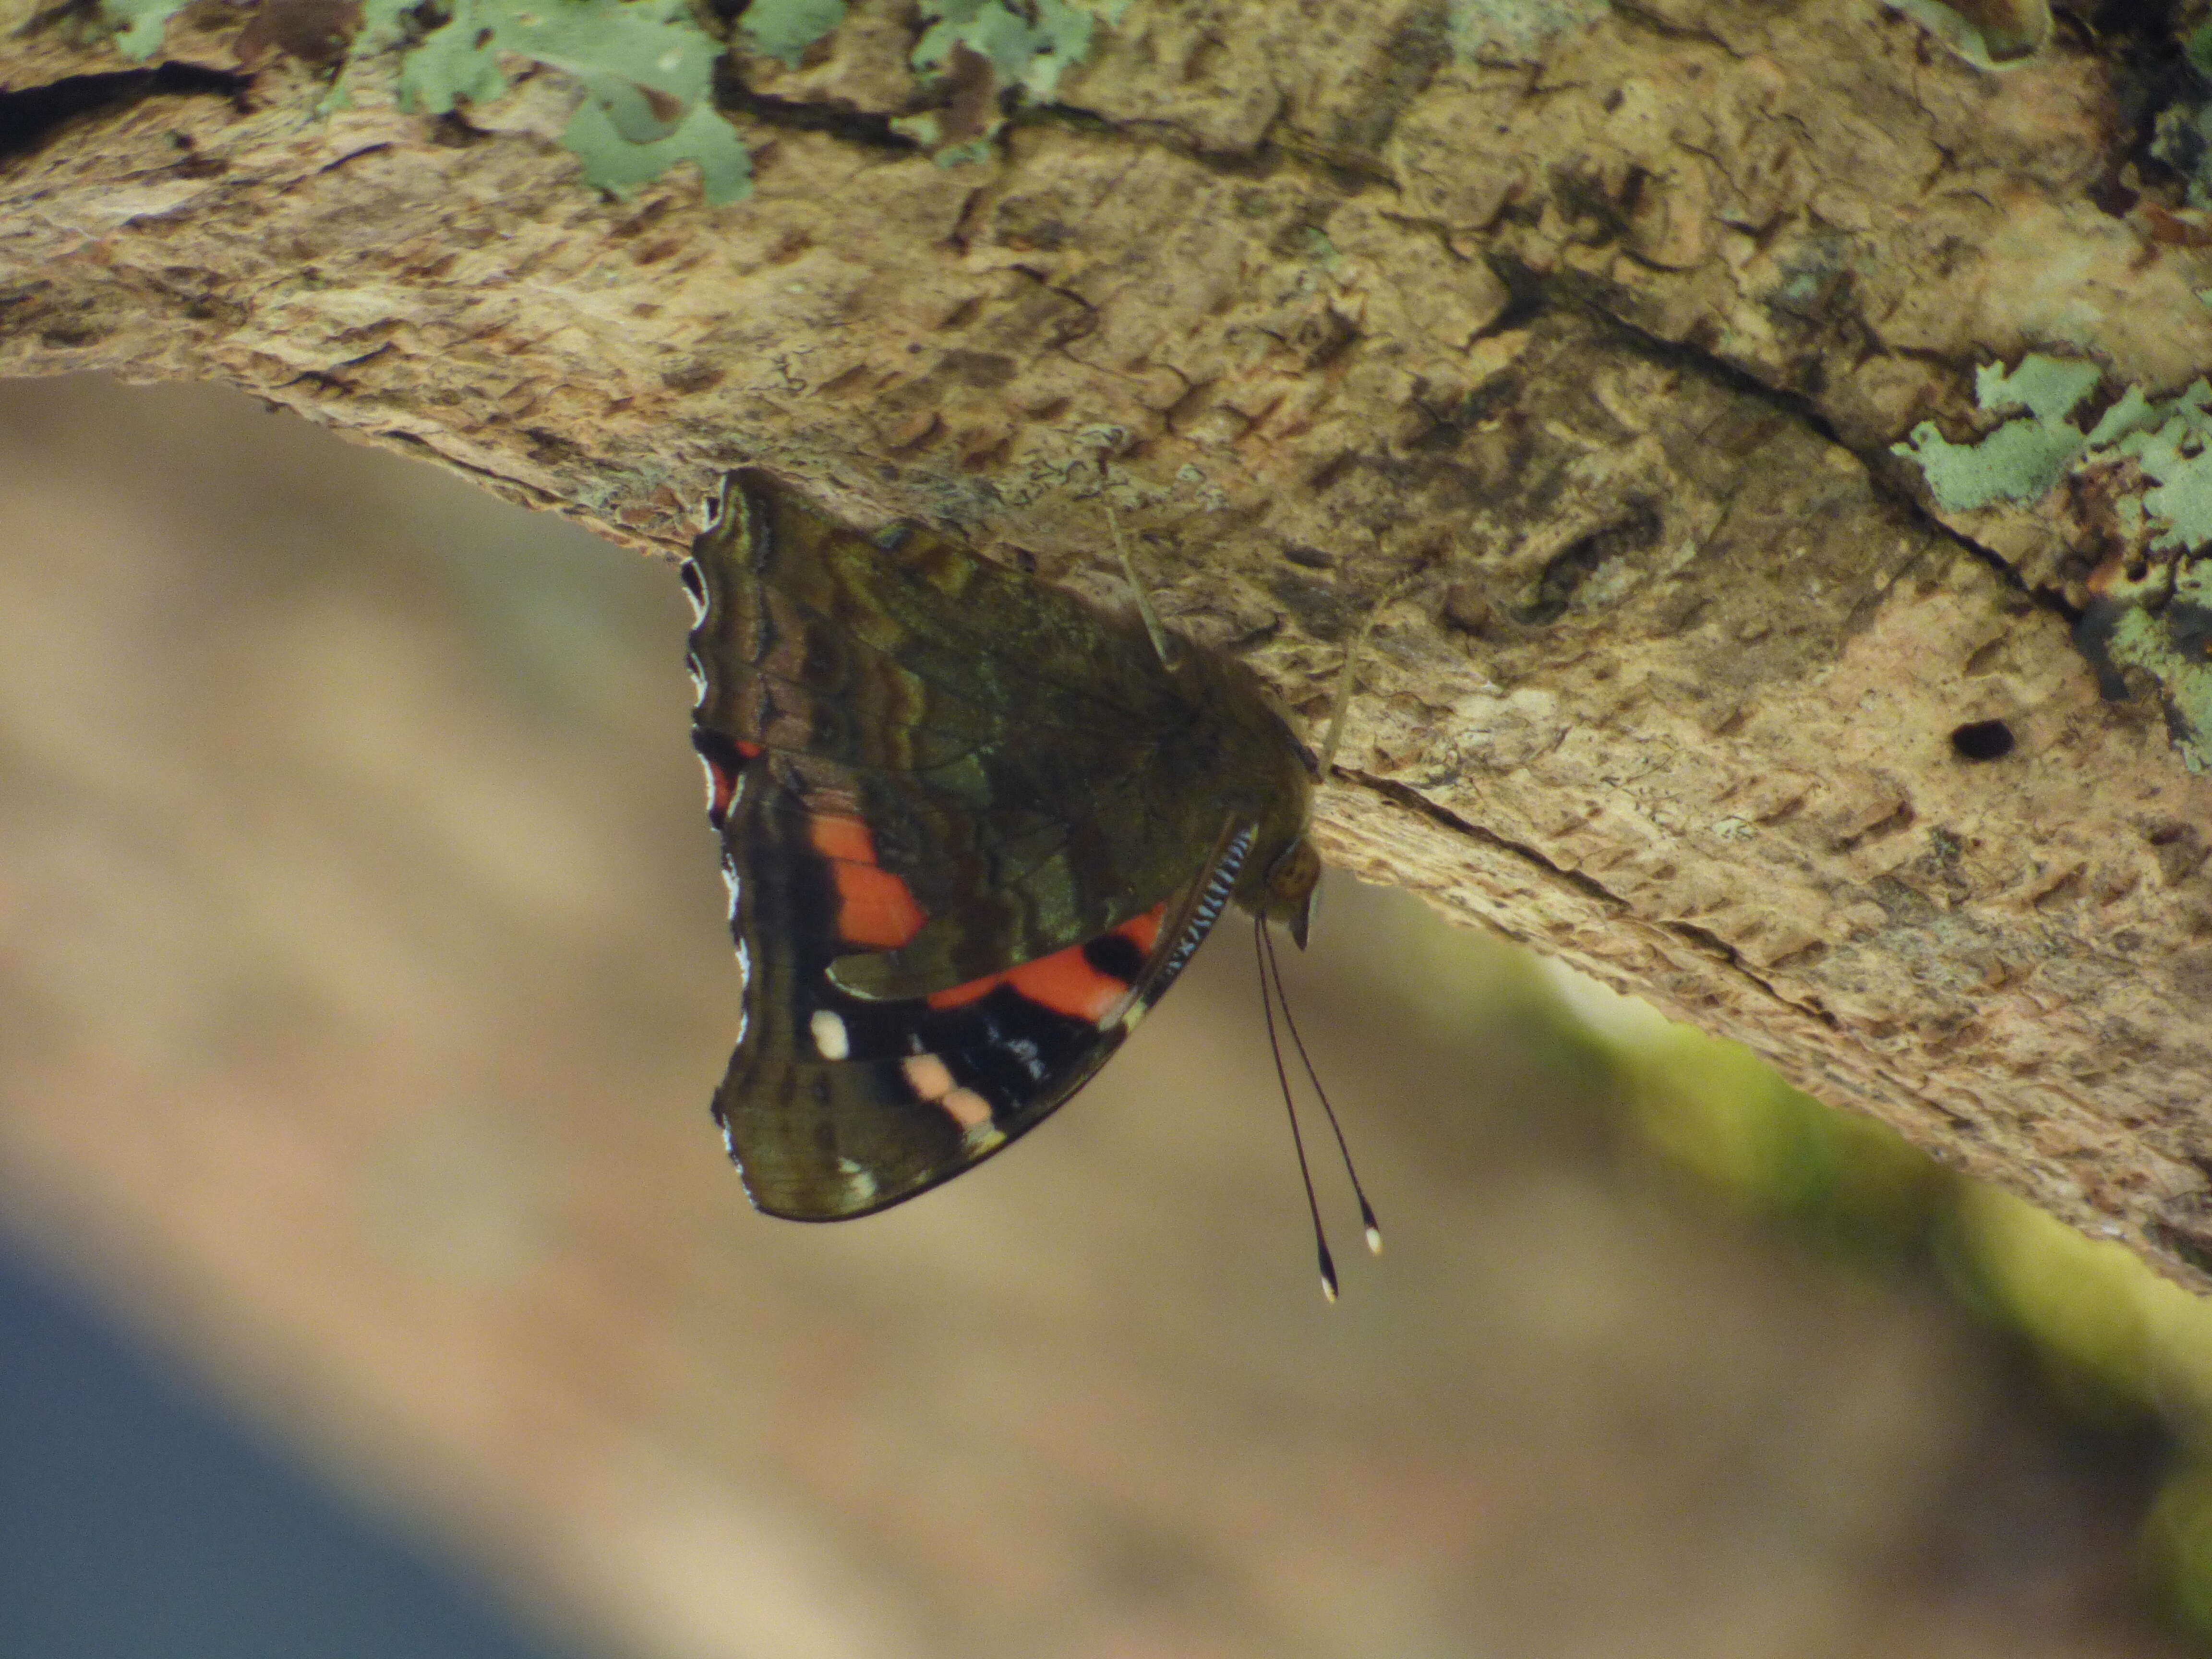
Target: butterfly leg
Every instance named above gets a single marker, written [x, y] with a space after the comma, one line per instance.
[1159, 634]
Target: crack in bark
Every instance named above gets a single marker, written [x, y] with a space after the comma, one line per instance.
[27, 116]
[1708, 943]
[1414, 801]
[870, 128]
[1795, 406]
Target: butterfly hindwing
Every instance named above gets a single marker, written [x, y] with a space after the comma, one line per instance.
[835, 1105]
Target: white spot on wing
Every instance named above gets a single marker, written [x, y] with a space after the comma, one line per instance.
[967, 1108]
[830, 1040]
[931, 1079]
[859, 1185]
[927, 1075]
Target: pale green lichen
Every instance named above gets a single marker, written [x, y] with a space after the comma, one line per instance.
[785, 29]
[1027, 49]
[618, 162]
[1513, 31]
[2152, 462]
[646, 67]
[138, 24]
[1021, 52]
[1030, 51]
[2023, 459]
[2170, 442]
[2001, 36]
[2142, 639]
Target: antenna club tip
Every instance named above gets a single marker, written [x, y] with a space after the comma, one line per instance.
[1374, 1241]
[1328, 1290]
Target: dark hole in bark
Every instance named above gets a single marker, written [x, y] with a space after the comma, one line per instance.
[1982, 740]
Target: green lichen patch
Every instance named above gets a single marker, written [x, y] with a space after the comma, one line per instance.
[138, 24]
[616, 161]
[2170, 643]
[1513, 31]
[1029, 47]
[785, 29]
[2023, 459]
[2142, 473]
[975, 51]
[646, 66]
[2170, 441]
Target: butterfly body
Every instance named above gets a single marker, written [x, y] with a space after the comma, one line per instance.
[973, 827]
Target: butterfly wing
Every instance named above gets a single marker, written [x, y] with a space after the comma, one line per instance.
[835, 1105]
[969, 838]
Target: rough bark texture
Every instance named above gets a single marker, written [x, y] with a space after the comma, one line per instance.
[1581, 355]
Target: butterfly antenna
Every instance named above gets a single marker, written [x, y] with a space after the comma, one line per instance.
[1130, 569]
[1273, 966]
[1268, 995]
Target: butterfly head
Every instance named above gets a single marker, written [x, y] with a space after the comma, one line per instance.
[1293, 888]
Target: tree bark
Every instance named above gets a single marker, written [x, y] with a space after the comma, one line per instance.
[1577, 347]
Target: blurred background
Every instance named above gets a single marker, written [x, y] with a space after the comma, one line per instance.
[375, 1283]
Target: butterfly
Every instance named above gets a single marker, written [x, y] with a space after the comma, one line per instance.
[973, 828]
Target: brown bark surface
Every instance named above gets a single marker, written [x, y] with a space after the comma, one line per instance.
[1580, 356]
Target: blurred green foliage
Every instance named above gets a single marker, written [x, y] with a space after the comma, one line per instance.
[2116, 1343]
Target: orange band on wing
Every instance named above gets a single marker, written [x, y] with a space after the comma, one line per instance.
[874, 908]
[1142, 931]
[836, 836]
[955, 996]
[1066, 981]
[1067, 984]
